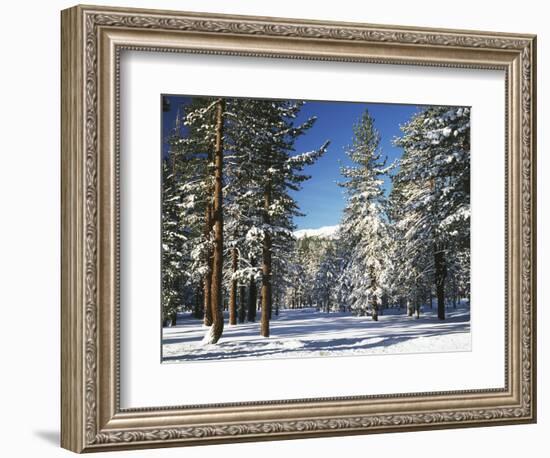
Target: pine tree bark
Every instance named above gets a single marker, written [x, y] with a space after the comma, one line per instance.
[266, 268]
[207, 282]
[217, 223]
[440, 274]
[233, 289]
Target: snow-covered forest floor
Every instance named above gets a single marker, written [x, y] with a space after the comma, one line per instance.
[309, 333]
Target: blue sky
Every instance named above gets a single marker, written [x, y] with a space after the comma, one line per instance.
[321, 199]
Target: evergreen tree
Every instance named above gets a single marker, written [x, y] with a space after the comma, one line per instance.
[434, 177]
[264, 171]
[171, 248]
[196, 149]
[217, 222]
[184, 183]
[191, 147]
[364, 224]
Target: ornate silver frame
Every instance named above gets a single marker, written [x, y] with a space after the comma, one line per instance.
[92, 39]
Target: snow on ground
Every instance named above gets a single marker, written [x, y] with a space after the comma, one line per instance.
[309, 333]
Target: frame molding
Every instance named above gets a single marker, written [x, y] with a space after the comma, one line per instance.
[92, 39]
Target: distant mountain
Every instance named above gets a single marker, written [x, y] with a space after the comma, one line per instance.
[328, 232]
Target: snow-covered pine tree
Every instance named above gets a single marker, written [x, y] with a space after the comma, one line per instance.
[171, 247]
[200, 149]
[184, 177]
[261, 141]
[410, 274]
[283, 173]
[364, 223]
[241, 207]
[216, 329]
[191, 153]
[434, 174]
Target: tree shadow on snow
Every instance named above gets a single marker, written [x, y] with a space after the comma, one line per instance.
[307, 332]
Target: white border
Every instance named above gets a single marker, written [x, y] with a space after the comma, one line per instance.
[145, 382]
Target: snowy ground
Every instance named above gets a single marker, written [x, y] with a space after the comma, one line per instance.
[308, 333]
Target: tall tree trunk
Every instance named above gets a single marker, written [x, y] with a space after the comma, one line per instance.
[242, 303]
[440, 274]
[217, 220]
[233, 289]
[251, 315]
[207, 282]
[266, 268]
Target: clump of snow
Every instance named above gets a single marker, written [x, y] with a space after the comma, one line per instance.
[208, 338]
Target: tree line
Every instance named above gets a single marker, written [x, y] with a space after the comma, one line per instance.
[228, 210]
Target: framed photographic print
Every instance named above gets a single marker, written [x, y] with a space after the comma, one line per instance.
[277, 228]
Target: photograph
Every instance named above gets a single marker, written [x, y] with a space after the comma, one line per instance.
[311, 228]
[301, 200]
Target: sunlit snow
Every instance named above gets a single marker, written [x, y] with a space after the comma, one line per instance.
[309, 333]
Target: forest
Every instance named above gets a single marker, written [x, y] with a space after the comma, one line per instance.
[231, 254]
